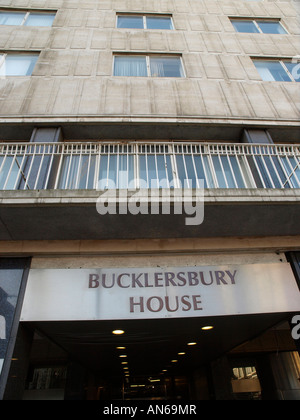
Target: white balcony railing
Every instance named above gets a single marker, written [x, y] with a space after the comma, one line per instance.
[101, 165]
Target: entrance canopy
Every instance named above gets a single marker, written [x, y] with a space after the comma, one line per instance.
[167, 317]
[152, 346]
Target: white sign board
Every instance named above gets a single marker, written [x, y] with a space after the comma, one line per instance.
[137, 293]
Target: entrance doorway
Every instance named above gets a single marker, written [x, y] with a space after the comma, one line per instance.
[181, 359]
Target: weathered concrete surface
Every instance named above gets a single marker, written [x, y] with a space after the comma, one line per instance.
[73, 75]
[72, 215]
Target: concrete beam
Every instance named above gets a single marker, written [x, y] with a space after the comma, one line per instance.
[72, 215]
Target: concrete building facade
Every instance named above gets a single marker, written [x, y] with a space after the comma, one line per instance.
[99, 98]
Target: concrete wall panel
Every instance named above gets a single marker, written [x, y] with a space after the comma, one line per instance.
[83, 39]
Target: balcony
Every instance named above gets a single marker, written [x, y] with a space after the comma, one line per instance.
[91, 166]
[50, 190]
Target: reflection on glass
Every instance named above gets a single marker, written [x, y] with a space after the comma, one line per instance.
[246, 26]
[18, 64]
[292, 169]
[10, 172]
[48, 378]
[154, 22]
[134, 22]
[166, 67]
[116, 171]
[10, 281]
[144, 22]
[26, 19]
[40, 19]
[77, 172]
[294, 69]
[11, 18]
[155, 171]
[271, 71]
[248, 372]
[271, 27]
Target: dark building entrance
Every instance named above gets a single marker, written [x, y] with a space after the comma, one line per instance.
[237, 357]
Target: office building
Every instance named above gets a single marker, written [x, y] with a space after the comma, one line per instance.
[149, 184]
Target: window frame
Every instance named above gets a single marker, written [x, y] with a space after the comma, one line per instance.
[27, 13]
[256, 24]
[281, 62]
[144, 20]
[148, 63]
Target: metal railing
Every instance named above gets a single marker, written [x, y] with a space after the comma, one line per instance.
[102, 165]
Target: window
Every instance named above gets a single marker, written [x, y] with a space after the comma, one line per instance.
[53, 377]
[144, 22]
[130, 66]
[39, 19]
[245, 382]
[10, 172]
[151, 66]
[271, 27]
[258, 26]
[77, 172]
[26, 18]
[245, 26]
[152, 166]
[134, 22]
[278, 70]
[156, 22]
[17, 64]
[11, 18]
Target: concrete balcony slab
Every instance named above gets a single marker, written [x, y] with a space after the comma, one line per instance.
[72, 215]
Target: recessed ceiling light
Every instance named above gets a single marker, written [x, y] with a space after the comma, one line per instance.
[121, 348]
[123, 355]
[165, 370]
[181, 353]
[124, 363]
[207, 327]
[118, 332]
[174, 361]
[192, 343]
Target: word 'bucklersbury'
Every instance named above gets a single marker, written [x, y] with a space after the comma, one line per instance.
[189, 201]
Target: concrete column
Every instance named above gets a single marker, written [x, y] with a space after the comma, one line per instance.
[199, 385]
[76, 377]
[221, 377]
[266, 378]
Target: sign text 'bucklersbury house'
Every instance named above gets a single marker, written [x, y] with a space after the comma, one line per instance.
[159, 292]
[179, 279]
